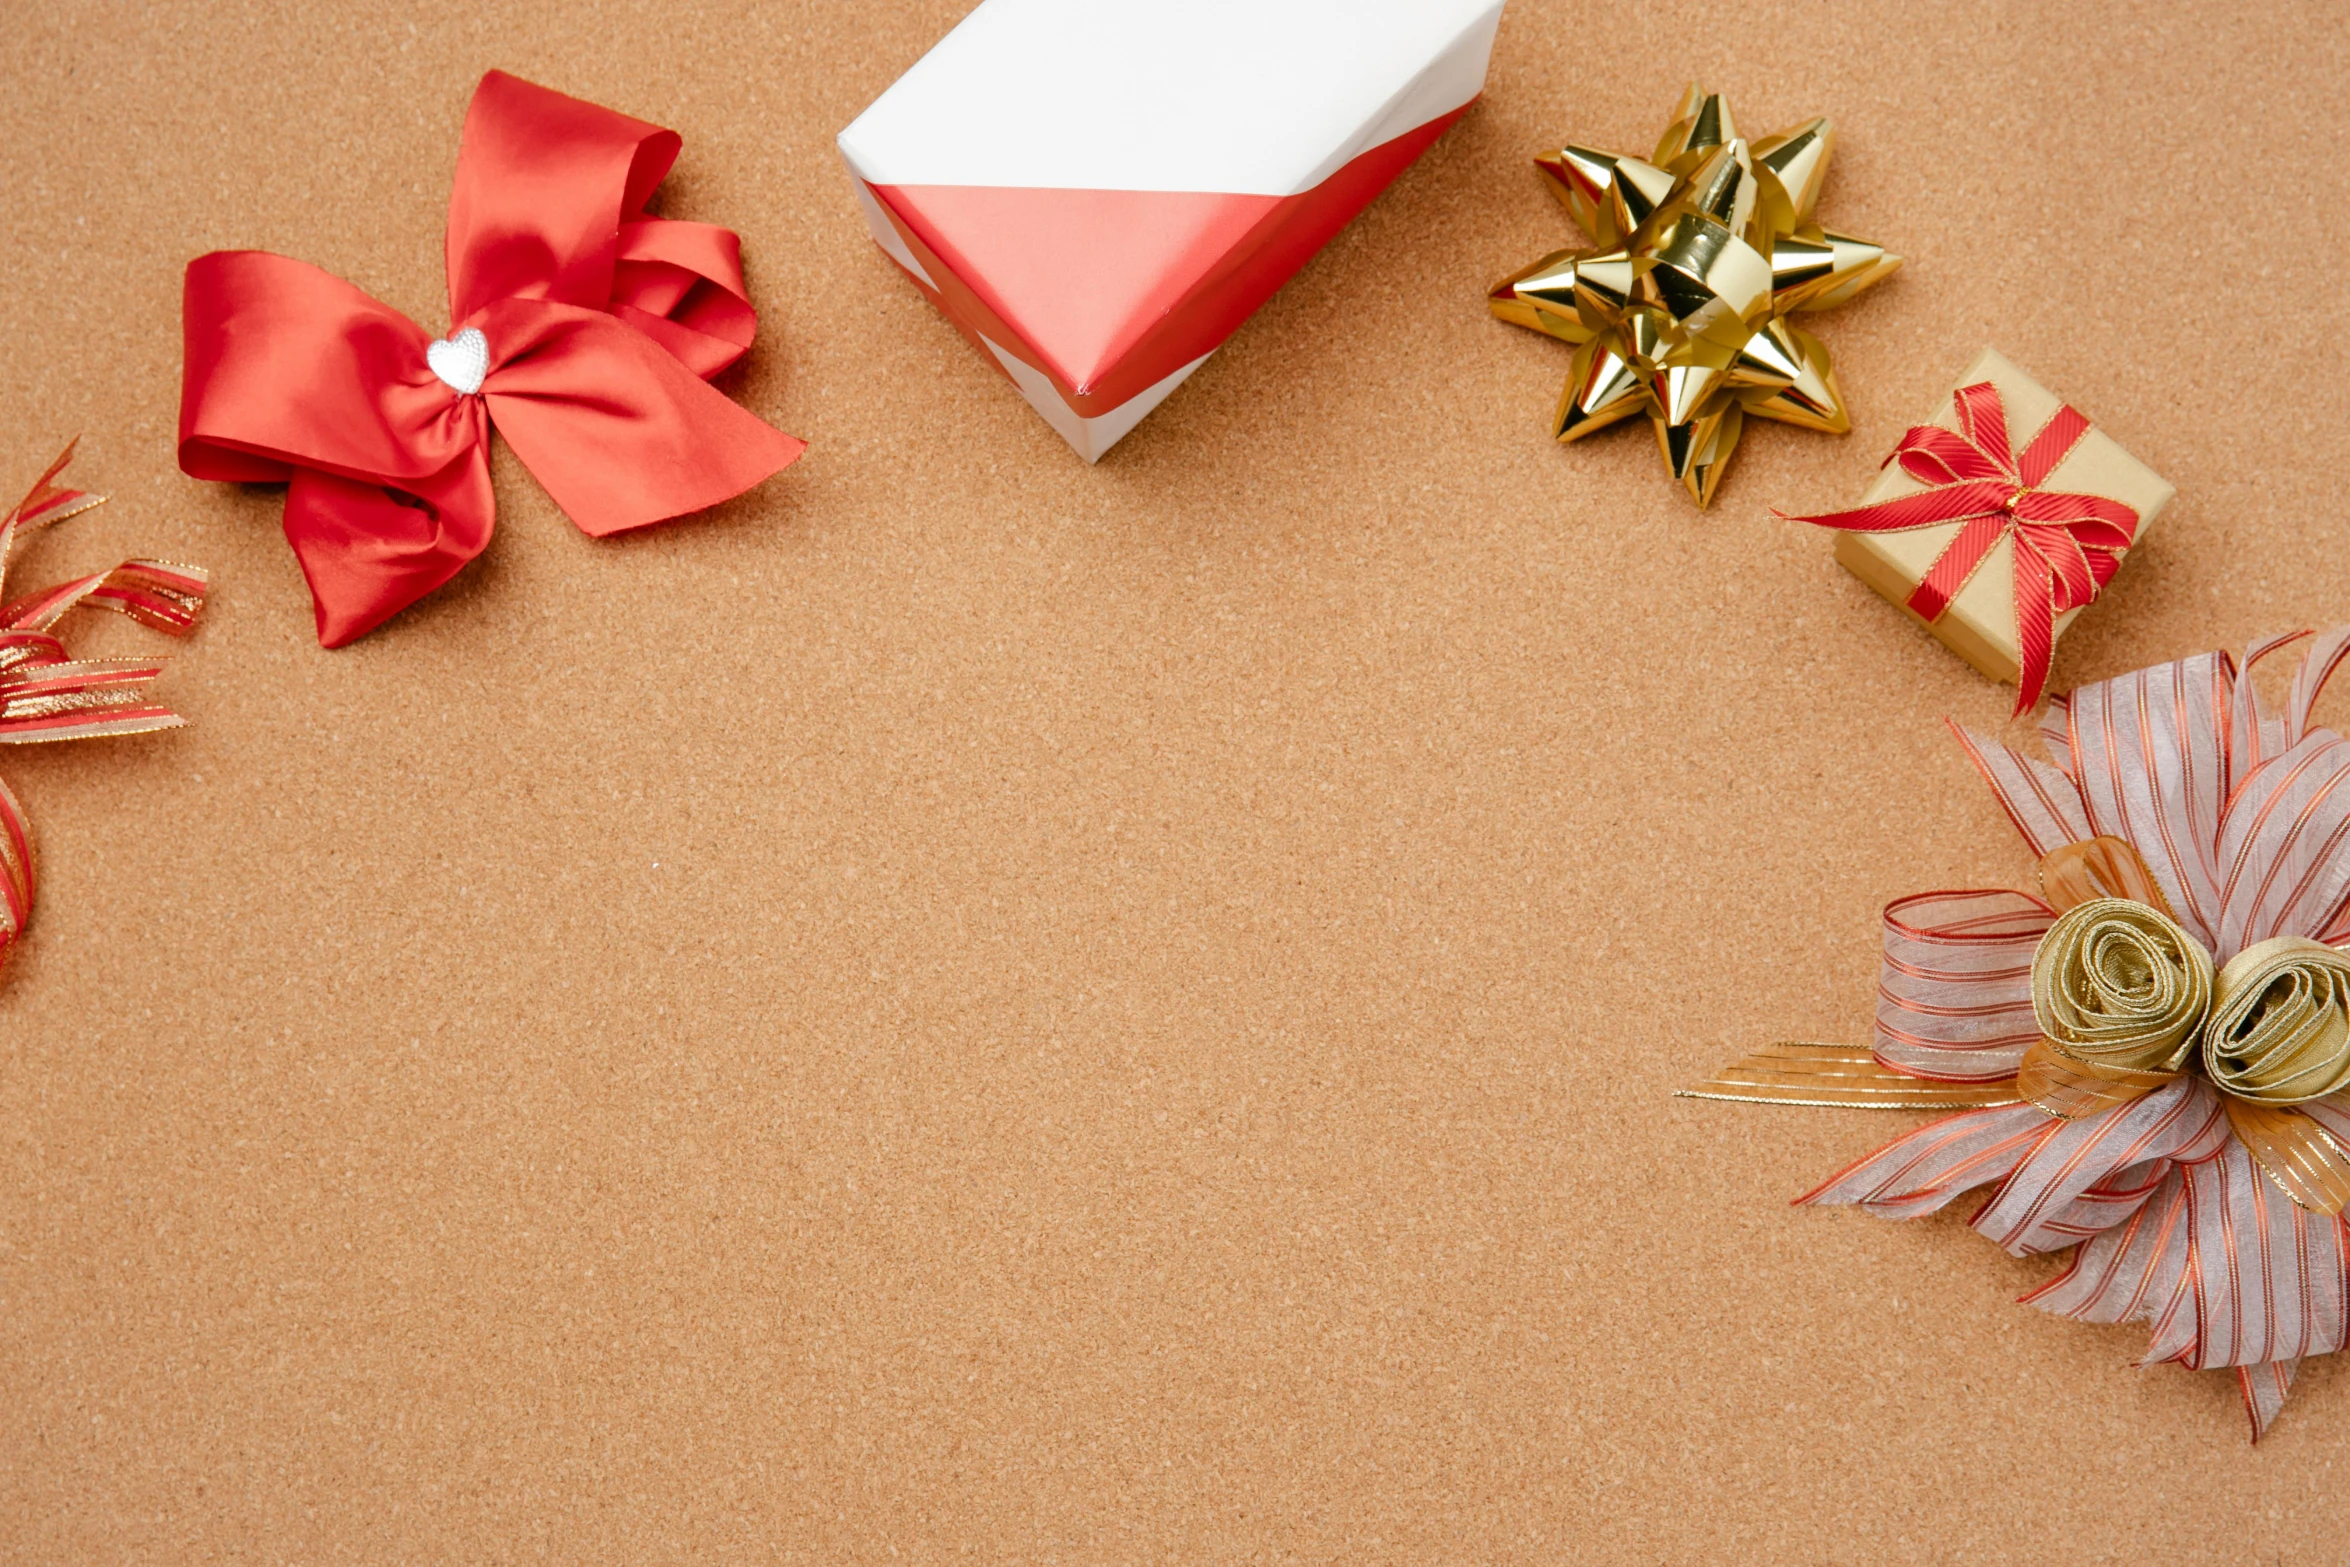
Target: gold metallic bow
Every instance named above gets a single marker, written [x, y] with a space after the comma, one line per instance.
[1681, 310]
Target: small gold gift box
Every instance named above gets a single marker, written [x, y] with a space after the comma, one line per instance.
[1981, 620]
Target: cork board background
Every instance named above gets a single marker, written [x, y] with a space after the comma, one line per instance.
[966, 1007]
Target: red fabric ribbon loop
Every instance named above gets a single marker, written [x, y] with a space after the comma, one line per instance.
[2067, 547]
[603, 326]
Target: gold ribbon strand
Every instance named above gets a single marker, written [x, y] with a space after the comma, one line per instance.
[1799, 1072]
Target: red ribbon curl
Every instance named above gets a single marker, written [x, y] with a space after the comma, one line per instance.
[602, 326]
[2067, 547]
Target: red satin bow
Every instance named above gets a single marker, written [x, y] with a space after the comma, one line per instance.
[2067, 547]
[597, 327]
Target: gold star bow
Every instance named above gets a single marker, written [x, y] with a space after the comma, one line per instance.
[1682, 309]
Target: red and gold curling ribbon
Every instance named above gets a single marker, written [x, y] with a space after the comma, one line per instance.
[46, 693]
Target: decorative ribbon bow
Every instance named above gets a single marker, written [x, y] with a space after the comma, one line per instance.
[584, 329]
[2151, 1052]
[2067, 547]
[45, 695]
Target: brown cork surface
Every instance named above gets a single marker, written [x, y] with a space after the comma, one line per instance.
[971, 1008]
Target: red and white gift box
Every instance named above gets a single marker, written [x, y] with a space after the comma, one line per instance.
[1098, 192]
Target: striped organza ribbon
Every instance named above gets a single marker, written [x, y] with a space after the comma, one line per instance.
[2126, 1002]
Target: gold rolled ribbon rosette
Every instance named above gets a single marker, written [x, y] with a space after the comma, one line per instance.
[2278, 1037]
[2120, 992]
[2126, 1000]
[2280, 1024]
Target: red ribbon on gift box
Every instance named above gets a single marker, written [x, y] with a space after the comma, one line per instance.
[584, 330]
[2067, 546]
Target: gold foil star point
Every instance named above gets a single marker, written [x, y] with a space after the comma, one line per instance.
[1679, 309]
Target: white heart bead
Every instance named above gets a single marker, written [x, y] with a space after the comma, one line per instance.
[462, 361]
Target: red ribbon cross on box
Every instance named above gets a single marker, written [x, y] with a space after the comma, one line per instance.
[2067, 546]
